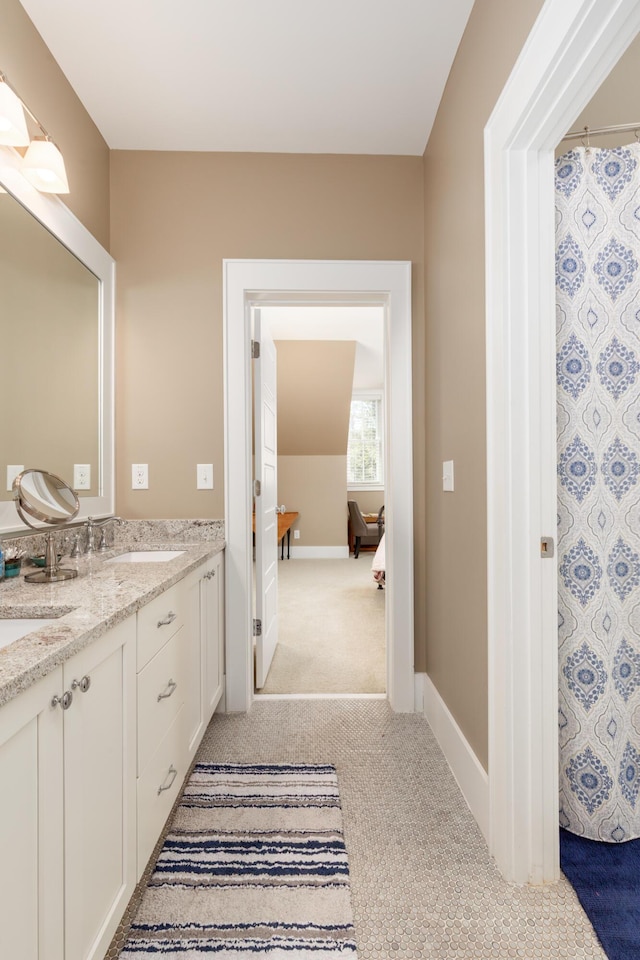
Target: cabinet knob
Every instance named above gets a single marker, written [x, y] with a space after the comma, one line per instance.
[209, 574]
[64, 701]
[83, 684]
[170, 617]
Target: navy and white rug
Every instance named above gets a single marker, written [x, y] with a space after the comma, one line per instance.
[254, 865]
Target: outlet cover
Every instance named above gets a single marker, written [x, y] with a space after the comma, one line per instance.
[82, 476]
[13, 469]
[204, 476]
[296, 534]
[139, 476]
[447, 476]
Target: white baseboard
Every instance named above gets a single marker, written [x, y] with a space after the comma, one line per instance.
[469, 773]
[318, 553]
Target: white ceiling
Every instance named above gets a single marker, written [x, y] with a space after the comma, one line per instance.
[301, 76]
[365, 325]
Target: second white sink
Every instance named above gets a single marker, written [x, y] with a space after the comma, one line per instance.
[146, 556]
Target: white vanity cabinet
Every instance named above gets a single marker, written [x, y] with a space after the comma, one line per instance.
[92, 758]
[180, 682]
[68, 803]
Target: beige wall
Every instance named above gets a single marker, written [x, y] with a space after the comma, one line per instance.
[175, 216]
[315, 384]
[317, 488]
[456, 655]
[616, 102]
[33, 72]
[369, 501]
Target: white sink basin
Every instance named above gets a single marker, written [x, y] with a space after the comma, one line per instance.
[146, 556]
[12, 630]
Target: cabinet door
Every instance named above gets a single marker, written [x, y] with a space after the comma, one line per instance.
[212, 626]
[31, 894]
[99, 786]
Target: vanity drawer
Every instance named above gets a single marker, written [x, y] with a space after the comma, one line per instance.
[159, 786]
[158, 621]
[161, 693]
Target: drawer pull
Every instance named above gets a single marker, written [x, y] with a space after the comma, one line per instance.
[171, 688]
[83, 684]
[173, 773]
[170, 617]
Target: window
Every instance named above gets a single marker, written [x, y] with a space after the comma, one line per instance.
[365, 454]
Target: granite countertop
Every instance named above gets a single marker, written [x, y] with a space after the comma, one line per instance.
[102, 595]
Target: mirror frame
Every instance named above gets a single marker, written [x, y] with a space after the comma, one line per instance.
[55, 217]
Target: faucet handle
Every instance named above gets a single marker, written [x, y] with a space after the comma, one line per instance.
[103, 540]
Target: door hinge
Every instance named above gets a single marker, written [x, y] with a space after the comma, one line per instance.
[257, 488]
[257, 628]
[255, 349]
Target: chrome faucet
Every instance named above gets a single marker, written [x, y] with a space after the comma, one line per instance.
[91, 526]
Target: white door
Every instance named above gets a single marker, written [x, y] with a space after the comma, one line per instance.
[266, 523]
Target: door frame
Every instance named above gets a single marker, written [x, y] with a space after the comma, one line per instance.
[339, 282]
[572, 48]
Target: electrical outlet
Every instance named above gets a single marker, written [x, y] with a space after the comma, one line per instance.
[82, 476]
[139, 476]
[296, 534]
[204, 476]
[13, 469]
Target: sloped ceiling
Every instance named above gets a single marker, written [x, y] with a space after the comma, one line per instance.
[315, 382]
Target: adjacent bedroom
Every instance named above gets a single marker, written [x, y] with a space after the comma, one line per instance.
[329, 576]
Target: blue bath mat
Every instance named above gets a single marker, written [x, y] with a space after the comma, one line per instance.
[606, 878]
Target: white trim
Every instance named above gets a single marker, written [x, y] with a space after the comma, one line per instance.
[262, 282]
[320, 696]
[469, 773]
[318, 553]
[419, 680]
[61, 222]
[572, 47]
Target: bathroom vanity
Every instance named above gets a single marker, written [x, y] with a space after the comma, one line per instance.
[101, 713]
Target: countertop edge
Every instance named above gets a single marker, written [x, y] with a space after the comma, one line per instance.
[33, 657]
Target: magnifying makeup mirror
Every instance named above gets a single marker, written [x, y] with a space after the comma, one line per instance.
[45, 497]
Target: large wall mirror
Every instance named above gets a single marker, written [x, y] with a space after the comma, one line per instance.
[56, 327]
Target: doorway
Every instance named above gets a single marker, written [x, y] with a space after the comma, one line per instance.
[568, 54]
[261, 283]
[330, 612]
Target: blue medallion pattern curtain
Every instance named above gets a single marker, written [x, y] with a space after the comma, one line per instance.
[598, 392]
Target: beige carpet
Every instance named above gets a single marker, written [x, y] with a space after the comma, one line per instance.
[330, 627]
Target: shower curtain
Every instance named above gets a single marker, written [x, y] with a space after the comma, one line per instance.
[598, 393]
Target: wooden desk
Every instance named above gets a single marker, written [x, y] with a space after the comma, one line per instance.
[285, 522]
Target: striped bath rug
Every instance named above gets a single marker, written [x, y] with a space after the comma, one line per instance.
[254, 865]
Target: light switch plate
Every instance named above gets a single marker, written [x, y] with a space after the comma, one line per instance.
[13, 469]
[139, 476]
[447, 476]
[82, 476]
[204, 476]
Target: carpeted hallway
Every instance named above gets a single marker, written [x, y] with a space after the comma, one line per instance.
[331, 628]
[422, 882]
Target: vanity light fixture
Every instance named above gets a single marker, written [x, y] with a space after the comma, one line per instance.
[43, 164]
